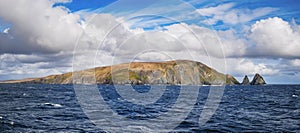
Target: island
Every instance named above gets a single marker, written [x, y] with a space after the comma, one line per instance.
[176, 72]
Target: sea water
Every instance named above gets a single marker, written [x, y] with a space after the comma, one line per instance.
[55, 108]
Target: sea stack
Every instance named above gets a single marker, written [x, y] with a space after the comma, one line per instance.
[246, 81]
[258, 80]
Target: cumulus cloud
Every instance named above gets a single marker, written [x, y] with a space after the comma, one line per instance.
[267, 38]
[37, 26]
[40, 32]
[233, 45]
[122, 42]
[274, 38]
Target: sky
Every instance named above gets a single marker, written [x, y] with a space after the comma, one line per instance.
[44, 37]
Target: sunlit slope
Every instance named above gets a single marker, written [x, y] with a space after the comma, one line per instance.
[170, 72]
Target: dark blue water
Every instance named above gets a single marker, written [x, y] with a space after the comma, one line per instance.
[54, 108]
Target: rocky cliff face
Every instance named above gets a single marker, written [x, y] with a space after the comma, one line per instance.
[258, 80]
[171, 72]
[246, 80]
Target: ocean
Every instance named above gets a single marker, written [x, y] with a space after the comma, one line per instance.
[62, 108]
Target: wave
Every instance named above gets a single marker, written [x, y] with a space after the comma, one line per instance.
[53, 104]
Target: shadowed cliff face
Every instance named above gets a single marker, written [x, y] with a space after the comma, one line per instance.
[171, 72]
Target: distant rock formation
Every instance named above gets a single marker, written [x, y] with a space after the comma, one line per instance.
[176, 72]
[246, 80]
[258, 80]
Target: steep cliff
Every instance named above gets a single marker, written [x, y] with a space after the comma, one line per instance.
[171, 72]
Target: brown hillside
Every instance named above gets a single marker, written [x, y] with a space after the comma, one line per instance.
[169, 72]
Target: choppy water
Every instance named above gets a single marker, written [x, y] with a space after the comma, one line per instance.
[54, 108]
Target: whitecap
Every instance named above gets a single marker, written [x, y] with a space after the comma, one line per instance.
[53, 104]
[294, 96]
[57, 105]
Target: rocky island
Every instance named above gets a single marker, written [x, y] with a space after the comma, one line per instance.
[170, 72]
[178, 72]
[257, 80]
[246, 81]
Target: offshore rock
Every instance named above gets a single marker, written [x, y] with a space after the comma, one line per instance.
[246, 81]
[258, 80]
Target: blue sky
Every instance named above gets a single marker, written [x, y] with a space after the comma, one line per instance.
[287, 9]
[258, 36]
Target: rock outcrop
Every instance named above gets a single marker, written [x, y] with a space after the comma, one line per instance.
[246, 81]
[177, 72]
[230, 80]
[258, 80]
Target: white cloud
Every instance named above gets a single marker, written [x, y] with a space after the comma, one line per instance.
[195, 38]
[275, 38]
[295, 62]
[152, 14]
[211, 11]
[233, 45]
[152, 56]
[36, 25]
[123, 42]
[229, 15]
[12, 65]
[43, 33]
[178, 41]
[246, 67]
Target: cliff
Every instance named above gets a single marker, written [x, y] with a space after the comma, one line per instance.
[170, 72]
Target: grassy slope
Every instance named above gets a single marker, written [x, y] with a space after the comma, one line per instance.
[170, 72]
